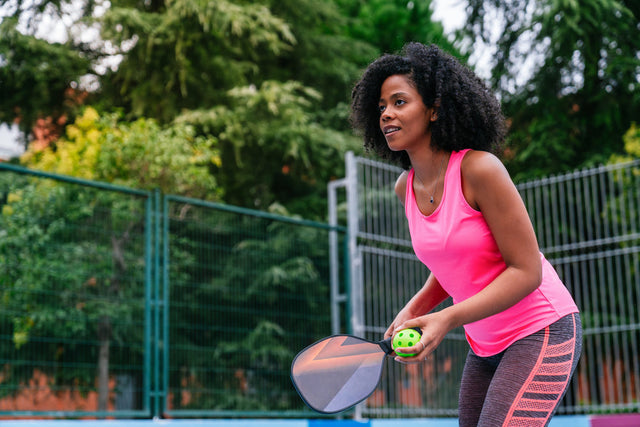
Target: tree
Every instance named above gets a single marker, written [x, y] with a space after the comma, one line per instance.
[72, 286]
[389, 25]
[188, 56]
[185, 54]
[87, 273]
[37, 78]
[631, 145]
[271, 148]
[582, 93]
[106, 149]
[270, 283]
[324, 57]
[163, 60]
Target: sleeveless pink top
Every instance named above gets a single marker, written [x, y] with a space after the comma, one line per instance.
[456, 244]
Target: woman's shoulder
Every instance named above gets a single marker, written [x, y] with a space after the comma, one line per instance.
[401, 186]
[482, 173]
[476, 164]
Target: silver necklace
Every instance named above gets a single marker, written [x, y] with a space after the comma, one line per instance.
[435, 186]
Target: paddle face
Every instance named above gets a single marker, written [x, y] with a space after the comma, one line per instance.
[337, 372]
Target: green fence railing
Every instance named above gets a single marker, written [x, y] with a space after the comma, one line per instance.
[117, 302]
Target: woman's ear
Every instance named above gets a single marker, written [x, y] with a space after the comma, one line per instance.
[434, 110]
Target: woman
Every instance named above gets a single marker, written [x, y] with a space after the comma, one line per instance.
[469, 226]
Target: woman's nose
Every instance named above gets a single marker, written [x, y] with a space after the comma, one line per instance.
[386, 114]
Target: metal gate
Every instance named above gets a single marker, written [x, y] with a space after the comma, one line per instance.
[587, 226]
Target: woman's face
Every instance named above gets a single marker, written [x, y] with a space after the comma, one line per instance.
[404, 119]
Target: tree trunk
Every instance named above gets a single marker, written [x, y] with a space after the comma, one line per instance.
[104, 336]
[104, 325]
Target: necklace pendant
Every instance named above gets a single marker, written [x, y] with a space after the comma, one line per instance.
[431, 200]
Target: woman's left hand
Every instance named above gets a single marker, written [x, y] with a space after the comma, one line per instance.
[434, 326]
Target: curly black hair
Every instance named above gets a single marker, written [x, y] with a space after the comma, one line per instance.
[469, 114]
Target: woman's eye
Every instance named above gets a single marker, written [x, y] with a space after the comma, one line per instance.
[400, 102]
[381, 108]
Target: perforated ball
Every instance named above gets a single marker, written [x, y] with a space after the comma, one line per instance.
[405, 338]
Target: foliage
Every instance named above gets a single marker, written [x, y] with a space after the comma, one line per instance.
[631, 145]
[168, 58]
[582, 93]
[36, 77]
[263, 300]
[388, 25]
[53, 226]
[61, 276]
[271, 148]
[185, 54]
[323, 57]
[105, 149]
[285, 266]
[181, 58]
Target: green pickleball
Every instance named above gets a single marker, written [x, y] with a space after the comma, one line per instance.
[405, 338]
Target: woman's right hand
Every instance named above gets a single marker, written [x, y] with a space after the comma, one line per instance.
[404, 315]
[425, 300]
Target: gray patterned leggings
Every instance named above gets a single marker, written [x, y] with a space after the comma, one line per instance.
[523, 385]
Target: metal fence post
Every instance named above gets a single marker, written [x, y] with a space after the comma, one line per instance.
[148, 289]
[158, 305]
[356, 293]
[357, 303]
[166, 299]
[337, 297]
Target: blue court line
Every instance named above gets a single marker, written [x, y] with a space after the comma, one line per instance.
[416, 422]
[557, 421]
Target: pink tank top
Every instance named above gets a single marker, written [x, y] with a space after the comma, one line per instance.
[456, 244]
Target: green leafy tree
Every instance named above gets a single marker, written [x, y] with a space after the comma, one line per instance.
[140, 154]
[36, 77]
[583, 90]
[631, 145]
[270, 283]
[279, 148]
[69, 292]
[85, 247]
[325, 56]
[389, 25]
[271, 147]
[186, 54]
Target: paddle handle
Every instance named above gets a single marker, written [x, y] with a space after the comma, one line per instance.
[385, 345]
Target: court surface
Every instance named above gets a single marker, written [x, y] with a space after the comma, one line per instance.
[625, 420]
